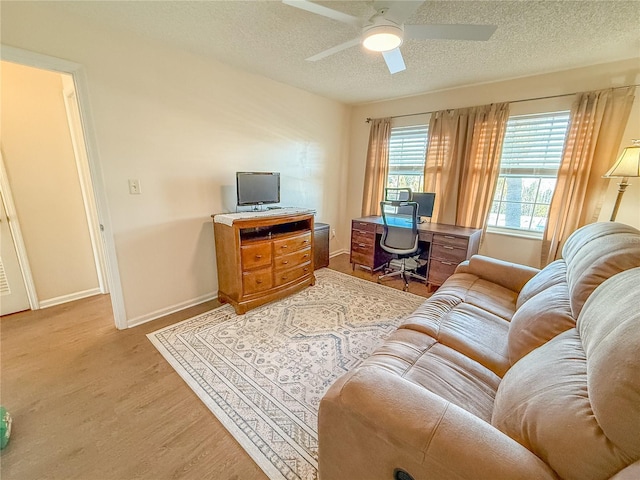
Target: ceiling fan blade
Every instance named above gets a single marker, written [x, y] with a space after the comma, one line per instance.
[394, 60]
[324, 11]
[399, 10]
[332, 50]
[449, 32]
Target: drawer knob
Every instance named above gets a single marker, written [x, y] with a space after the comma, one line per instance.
[284, 246]
[284, 277]
[258, 257]
[449, 237]
[361, 245]
[284, 262]
[305, 241]
[446, 263]
[306, 269]
[447, 247]
[259, 280]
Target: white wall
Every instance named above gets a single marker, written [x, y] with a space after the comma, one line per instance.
[41, 167]
[510, 248]
[183, 125]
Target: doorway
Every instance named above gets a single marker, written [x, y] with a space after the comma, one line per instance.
[79, 228]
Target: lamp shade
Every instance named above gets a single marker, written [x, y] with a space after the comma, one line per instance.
[627, 165]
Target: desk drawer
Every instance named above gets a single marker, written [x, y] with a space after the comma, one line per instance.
[293, 259]
[450, 240]
[291, 244]
[363, 249]
[440, 270]
[255, 256]
[256, 281]
[363, 238]
[363, 226]
[448, 253]
[286, 276]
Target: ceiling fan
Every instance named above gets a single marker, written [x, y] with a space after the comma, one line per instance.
[385, 31]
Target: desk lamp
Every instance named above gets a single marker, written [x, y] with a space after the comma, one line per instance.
[627, 165]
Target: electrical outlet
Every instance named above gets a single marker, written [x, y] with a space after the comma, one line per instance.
[333, 233]
[134, 186]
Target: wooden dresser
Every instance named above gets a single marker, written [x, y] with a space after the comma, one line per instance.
[262, 258]
[443, 246]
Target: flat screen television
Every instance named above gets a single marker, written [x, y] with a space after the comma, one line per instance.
[258, 188]
[425, 201]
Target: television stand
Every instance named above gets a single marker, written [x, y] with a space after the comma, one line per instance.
[263, 256]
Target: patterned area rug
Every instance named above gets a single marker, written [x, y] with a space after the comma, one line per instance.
[263, 373]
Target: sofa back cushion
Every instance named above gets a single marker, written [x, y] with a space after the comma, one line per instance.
[595, 253]
[538, 320]
[575, 401]
[553, 274]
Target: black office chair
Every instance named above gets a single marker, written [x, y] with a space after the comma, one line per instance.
[400, 238]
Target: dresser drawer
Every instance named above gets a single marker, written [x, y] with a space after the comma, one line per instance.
[257, 281]
[448, 253]
[450, 240]
[255, 256]
[291, 244]
[363, 226]
[439, 271]
[285, 276]
[362, 259]
[293, 259]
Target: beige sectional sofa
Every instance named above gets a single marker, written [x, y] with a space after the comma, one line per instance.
[506, 372]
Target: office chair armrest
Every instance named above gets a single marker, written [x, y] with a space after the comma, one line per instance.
[506, 274]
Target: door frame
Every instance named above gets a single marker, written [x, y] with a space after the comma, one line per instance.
[94, 188]
[16, 236]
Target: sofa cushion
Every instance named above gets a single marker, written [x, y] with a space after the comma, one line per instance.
[575, 401]
[471, 316]
[538, 320]
[422, 360]
[553, 274]
[595, 253]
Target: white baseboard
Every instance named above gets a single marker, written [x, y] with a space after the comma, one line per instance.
[134, 322]
[69, 298]
[338, 252]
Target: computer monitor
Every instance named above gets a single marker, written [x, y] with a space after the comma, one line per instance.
[425, 201]
[397, 194]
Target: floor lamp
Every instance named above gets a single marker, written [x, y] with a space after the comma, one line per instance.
[627, 165]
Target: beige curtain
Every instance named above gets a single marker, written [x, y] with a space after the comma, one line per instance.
[596, 126]
[377, 168]
[463, 162]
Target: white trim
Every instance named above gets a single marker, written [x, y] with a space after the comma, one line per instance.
[16, 234]
[514, 232]
[25, 57]
[134, 322]
[338, 252]
[69, 298]
[84, 176]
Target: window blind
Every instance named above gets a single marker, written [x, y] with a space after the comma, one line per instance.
[407, 150]
[533, 144]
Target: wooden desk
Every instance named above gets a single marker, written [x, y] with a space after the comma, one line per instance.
[444, 246]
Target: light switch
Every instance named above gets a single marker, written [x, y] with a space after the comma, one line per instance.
[134, 186]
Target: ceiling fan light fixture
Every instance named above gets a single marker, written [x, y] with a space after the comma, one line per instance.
[382, 38]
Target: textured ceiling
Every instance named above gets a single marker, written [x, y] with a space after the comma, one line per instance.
[273, 39]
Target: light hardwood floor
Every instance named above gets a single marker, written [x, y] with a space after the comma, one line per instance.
[91, 402]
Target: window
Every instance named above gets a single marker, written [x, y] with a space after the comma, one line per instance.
[531, 156]
[407, 151]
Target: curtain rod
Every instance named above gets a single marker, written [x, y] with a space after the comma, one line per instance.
[513, 101]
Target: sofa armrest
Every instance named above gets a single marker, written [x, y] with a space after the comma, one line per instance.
[506, 274]
[372, 422]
